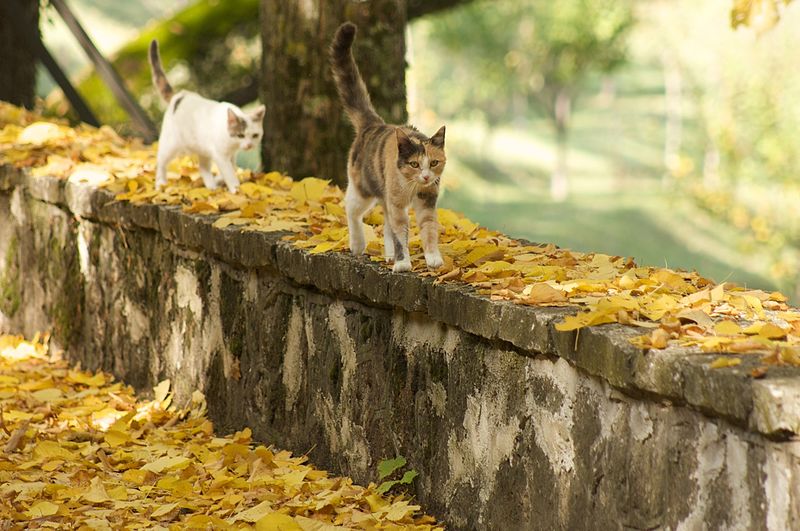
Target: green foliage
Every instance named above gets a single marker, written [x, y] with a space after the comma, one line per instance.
[10, 292]
[215, 45]
[504, 53]
[741, 162]
[387, 467]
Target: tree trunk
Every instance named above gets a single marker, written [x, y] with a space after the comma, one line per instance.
[306, 131]
[559, 181]
[420, 8]
[18, 61]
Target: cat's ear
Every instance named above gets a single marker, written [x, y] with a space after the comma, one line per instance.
[438, 139]
[405, 146]
[257, 114]
[233, 119]
[236, 123]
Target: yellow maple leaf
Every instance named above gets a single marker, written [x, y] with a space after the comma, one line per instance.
[255, 513]
[309, 189]
[51, 450]
[137, 476]
[116, 438]
[727, 328]
[166, 463]
[227, 221]
[255, 191]
[161, 391]
[771, 331]
[202, 207]
[92, 380]
[48, 395]
[400, 510]
[277, 522]
[483, 253]
[543, 294]
[256, 208]
[97, 492]
[164, 510]
[725, 361]
[42, 509]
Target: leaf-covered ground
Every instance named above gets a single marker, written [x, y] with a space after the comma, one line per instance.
[80, 451]
[672, 307]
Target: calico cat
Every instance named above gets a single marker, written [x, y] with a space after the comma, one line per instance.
[214, 131]
[396, 166]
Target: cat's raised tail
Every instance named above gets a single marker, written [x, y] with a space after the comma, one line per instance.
[349, 83]
[159, 77]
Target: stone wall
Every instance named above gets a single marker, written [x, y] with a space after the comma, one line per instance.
[510, 424]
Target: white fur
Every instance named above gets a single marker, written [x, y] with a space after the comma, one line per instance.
[426, 175]
[199, 126]
[434, 259]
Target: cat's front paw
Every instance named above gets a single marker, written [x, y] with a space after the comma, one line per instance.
[402, 265]
[434, 260]
[358, 246]
[233, 189]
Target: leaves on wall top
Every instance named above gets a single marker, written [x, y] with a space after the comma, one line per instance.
[671, 307]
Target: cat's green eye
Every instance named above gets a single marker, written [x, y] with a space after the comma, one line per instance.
[414, 164]
[434, 163]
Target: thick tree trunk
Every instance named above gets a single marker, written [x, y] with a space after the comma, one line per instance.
[306, 131]
[18, 61]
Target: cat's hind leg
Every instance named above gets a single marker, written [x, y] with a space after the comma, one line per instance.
[166, 152]
[388, 240]
[356, 206]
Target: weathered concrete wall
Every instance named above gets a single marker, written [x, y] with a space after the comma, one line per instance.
[510, 424]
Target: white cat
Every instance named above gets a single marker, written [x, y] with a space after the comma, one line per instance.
[214, 131]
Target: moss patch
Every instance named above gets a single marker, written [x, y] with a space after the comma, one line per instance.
[60, 263]
[10, 292]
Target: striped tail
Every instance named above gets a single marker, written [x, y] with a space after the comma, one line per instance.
[349, 83]
[159, 77]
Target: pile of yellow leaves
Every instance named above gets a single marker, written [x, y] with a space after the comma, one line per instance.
[79, 450]
[675, 307]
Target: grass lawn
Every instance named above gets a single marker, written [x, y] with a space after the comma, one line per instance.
[618, 202]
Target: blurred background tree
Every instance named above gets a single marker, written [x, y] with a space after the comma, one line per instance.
[307, 131]
[533, 54]
[208, 46]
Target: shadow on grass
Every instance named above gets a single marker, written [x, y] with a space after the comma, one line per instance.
[516, 174]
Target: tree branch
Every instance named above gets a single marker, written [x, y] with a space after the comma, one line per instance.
[420, 8]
